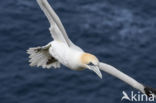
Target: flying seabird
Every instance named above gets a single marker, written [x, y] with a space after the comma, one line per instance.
[63, 51]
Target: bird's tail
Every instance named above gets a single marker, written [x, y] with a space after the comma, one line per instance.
[39, 56]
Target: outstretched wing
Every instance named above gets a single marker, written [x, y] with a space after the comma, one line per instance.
[56, 28]
[127, 79]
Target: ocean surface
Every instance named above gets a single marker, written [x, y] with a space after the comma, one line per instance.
[119, 32]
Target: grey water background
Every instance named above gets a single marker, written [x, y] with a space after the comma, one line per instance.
[121, 33]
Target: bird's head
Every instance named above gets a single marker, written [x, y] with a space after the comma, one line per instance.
[91, 62]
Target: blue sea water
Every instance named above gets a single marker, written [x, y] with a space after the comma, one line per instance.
[121, 33]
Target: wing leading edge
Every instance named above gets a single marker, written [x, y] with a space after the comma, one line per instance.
[56, 27]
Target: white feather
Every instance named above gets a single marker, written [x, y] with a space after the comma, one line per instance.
[41, 57]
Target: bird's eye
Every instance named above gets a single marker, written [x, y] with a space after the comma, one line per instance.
[91, 64]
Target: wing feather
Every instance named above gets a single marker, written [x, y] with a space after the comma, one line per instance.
[53, 19]
[127, 79]
[56, 27]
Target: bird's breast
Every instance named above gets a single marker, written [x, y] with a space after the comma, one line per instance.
[66, 55]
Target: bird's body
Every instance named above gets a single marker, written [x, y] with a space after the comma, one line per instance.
[62, 51]
[67, 56]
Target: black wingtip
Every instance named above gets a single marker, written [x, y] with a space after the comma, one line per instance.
[149, 91]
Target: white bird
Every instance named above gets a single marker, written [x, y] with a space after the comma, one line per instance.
[62, 51]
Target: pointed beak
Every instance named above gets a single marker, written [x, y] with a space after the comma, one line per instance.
[96, 70]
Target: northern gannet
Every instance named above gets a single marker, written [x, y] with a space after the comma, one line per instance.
[62, 51]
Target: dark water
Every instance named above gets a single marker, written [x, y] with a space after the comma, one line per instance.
[121, 33]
